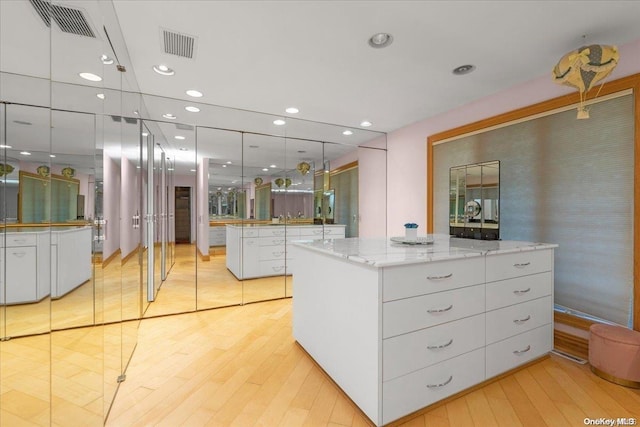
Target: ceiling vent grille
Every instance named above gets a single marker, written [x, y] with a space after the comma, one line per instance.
[180, 126]
[129, 120]
[69, 20]
[178, 44]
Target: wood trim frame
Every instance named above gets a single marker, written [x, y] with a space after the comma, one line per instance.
[630, 82]
[344, 167]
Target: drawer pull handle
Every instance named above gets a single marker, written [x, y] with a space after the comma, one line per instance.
[521, 265]
[442, 384]
[439, 310]
[19, 240]
[19, 254]
[277, 253]
[522, 351]
[446, 276]
[279, 268]
[317, 231]
[520, 292]
[521, 321]
[278, 233]
[278, 242]
[435, 347]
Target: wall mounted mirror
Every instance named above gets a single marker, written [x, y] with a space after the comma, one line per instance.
[474, 201]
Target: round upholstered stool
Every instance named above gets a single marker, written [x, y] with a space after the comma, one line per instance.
[614, 354]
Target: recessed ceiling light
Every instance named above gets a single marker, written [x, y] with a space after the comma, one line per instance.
[347, 132]
[194, 93]
[136, 112]
[91, 77]
[25, 153]
[5, 146]
[192, 109]
[100, 95]
[229, 163]
[365, 124]
[164, 70]
[292, 110]
[265, 169]
[170, 169]
[279, 122]
[106, 60]
[145, 134]
[179, 137]
[463, 69]
[169, 116]
[224, 166]
[193, 170]
[380, 40]
[183, 149]
[272, 166]
[52, 155]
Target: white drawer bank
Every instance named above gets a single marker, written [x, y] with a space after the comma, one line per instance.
[255, 251]
[400, 327]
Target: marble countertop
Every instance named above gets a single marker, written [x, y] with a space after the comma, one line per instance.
[382, 252]
[283, 225]
[44, 229]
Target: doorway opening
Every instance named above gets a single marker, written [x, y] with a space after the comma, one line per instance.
[183, 214]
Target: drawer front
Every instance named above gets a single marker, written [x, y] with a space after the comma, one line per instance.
[516, 319]
[311, 232]
[272, 252]
[250, 232]
[273, 268]
[334, 232]
[410, 352]
[273, 232]
[519, 289]
[425, 278]
[506, 266]
[409, 393]
[18, 240]
[273, 241]
[411, 314]
[515, 351]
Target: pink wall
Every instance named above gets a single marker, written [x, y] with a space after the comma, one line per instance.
[407, 154]
[129, 206]
[111, 206]
[202, 205]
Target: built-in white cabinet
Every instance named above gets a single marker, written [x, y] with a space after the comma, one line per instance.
[398, 333]
[255, 251]
[217, 235]
[70, 260]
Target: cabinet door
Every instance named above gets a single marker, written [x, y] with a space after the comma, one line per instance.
[21, 278]
[249, 258]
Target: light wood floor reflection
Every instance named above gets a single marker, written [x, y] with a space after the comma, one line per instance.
[240, 366]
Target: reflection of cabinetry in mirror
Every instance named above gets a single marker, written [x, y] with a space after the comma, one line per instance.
[474, 195]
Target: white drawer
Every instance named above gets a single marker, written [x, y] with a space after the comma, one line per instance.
[425, 278]
[519, 289]
[406, 315]
[409, 352]
[506, 266]
[273, 241]
[334, 232]
[516, 319]
[414, 391]
[273, 231]
[307, 232]
[273, 268]
[17, 240]
[272, 252]
[250, 232]
[508, 354]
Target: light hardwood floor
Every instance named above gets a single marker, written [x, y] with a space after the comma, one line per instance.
[240, 366]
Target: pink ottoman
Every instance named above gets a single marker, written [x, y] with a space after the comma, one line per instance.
[614, 354]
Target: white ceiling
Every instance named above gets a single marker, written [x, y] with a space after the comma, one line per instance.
[263, 56]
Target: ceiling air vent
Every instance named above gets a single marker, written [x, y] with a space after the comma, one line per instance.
[69, 20]
[178, 44]
[129, 120]
[183, 127]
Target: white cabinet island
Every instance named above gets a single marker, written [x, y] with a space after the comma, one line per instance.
[399, 327]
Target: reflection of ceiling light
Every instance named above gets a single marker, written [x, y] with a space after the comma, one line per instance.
[170, 169]
[272, 166]
[224, 166]
[90, 76]
[292, 110]
[179, 137]
[106, 60]
[183, 149]
[193, 170]
[5, 146]
[265, 169]
[100, 95]
[137, 167]
[229, 162]
[347, 132]
[52, 155]
[25, 153]
[192, 109]
[365, 124]
[136, 112]
[194, 93]
[169, 116]
[380, 40]
[279, 122]
[145, 134]
[164, 70]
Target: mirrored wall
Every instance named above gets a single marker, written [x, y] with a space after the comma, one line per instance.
[117, 206]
